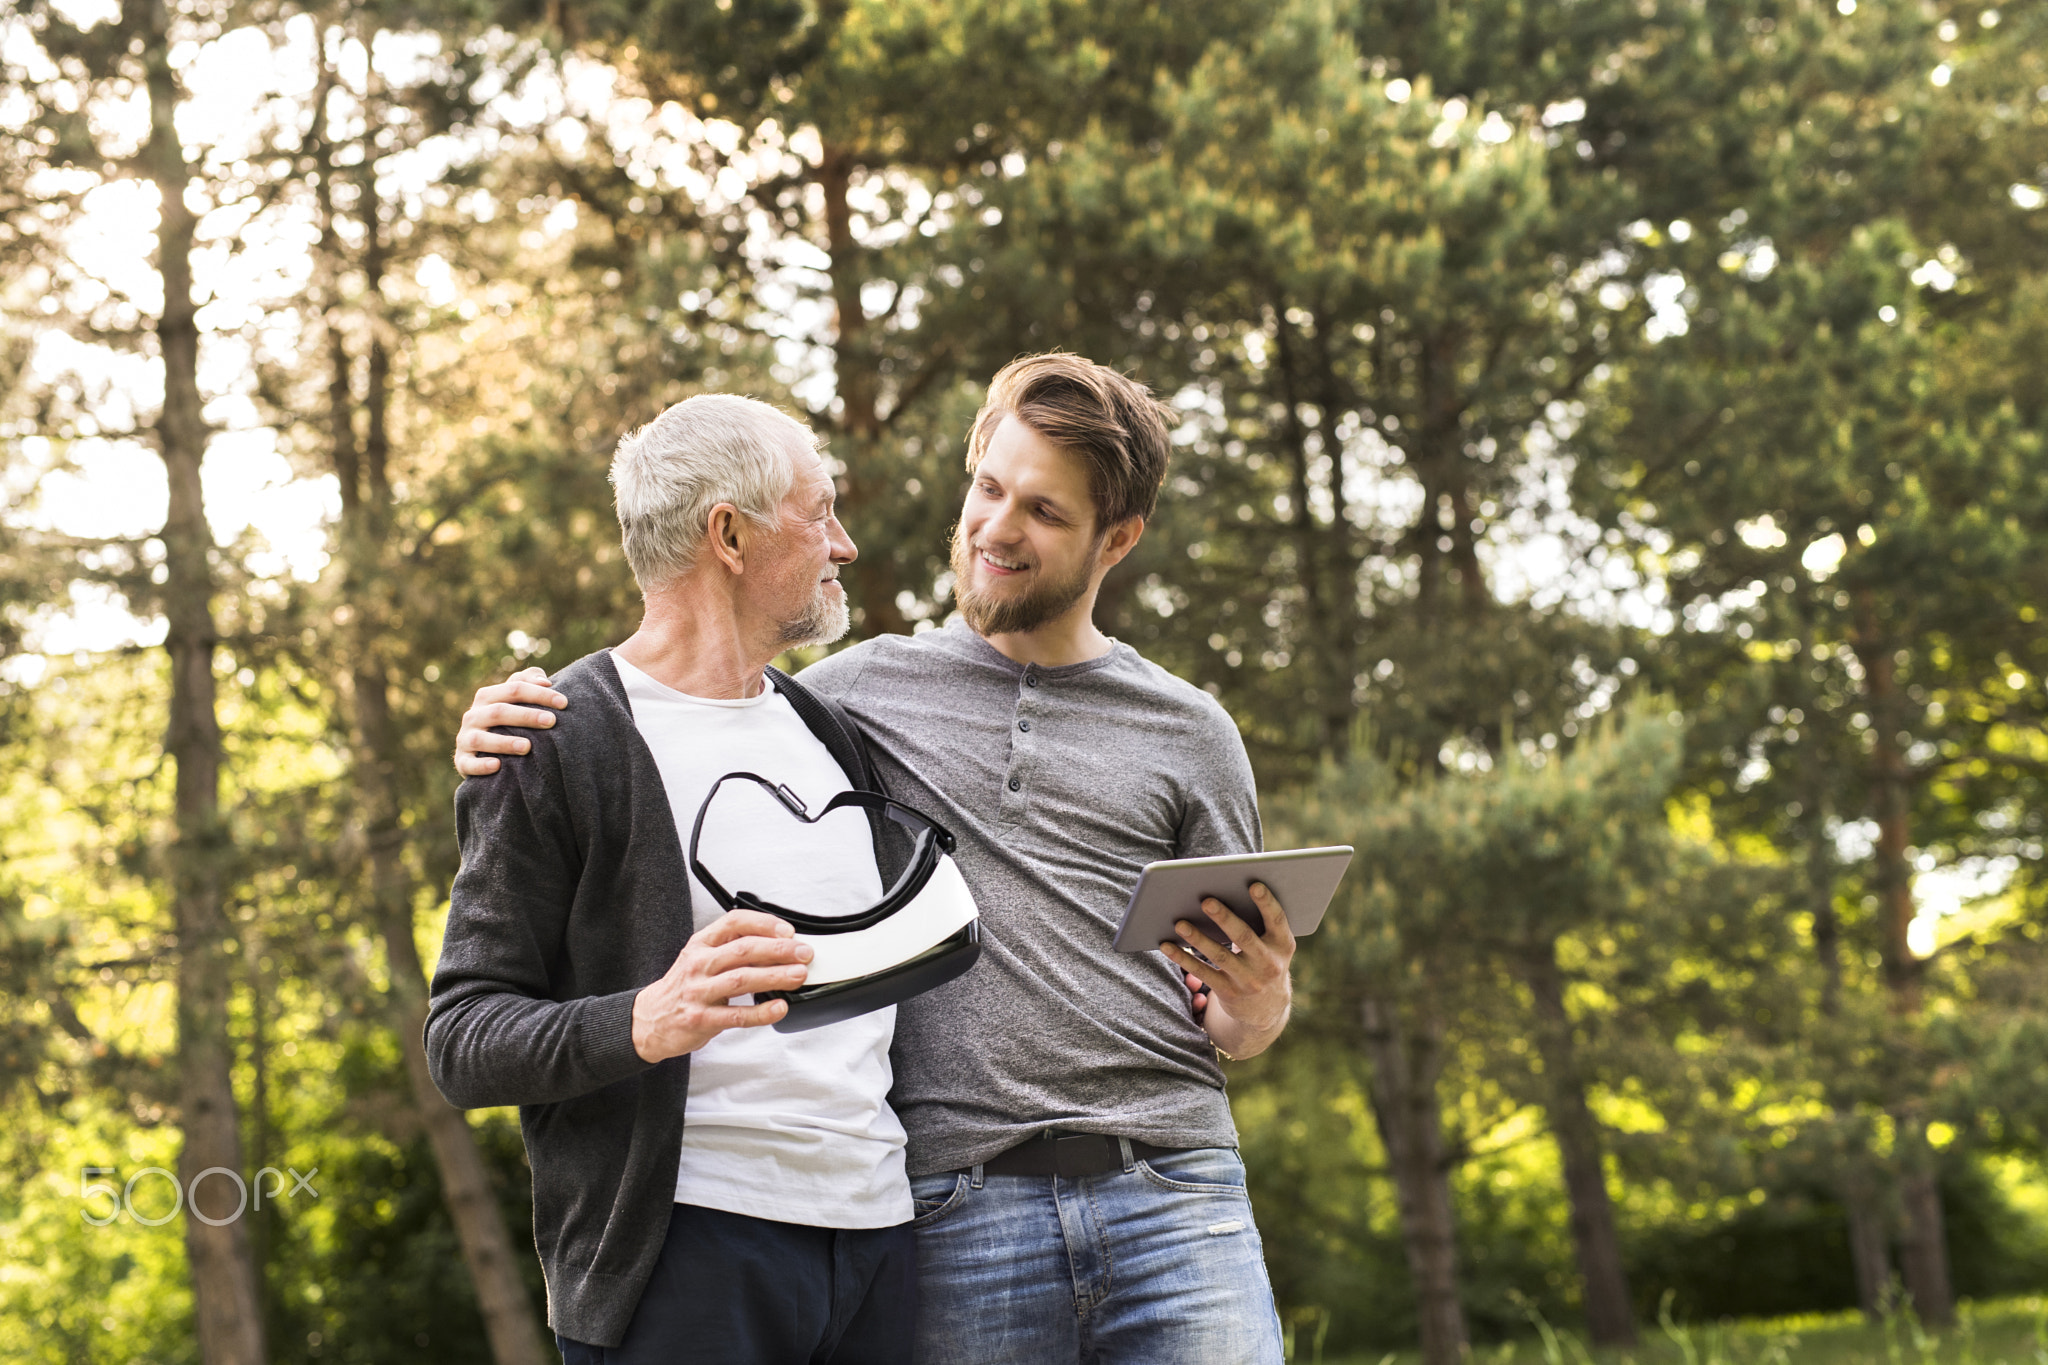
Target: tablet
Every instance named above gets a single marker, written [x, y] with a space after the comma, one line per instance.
[1302, 879]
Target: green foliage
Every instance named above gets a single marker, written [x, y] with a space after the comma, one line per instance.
[1533, 360]
[383, 1279]
[1788, 1254]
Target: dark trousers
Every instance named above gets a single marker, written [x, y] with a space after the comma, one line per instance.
[744, 1291]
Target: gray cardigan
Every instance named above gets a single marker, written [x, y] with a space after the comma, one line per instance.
[572, 897]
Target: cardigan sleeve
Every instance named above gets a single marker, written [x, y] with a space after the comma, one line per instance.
[495, 1032]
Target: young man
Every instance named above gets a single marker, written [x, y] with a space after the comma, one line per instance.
[587, 977]
[1072, 1155]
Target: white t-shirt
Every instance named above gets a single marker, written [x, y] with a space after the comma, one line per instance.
[794, 1127]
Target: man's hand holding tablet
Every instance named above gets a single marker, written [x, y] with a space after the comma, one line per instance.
[1237, 975]
[1243, 994]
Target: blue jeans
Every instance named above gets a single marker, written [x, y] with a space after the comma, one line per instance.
[1159, 1261]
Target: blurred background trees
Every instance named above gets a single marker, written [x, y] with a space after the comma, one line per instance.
[1609, 493]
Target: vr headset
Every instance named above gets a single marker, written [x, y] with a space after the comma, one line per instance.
[923, 932]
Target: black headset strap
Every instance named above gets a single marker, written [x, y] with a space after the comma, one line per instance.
[835, 729]
[932, 840]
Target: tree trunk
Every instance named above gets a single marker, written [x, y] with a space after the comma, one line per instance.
[487, 1247]
[1820, 858]
[875, 581]
[1328, 602]
[1609, 1316]
[1440, 446]
[227, 1306]
[1327, 696]
[1869, 1255]
[1856, 1184]
[1890, 783]
[1923, 1242]
[1827, 929]
[1405, 1066]
[1341, 555]
[253, 949]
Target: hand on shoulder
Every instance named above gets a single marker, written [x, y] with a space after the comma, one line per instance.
[513, 702]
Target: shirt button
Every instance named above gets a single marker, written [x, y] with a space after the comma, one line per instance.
[1031, 680]
[1025, 726]
[1016, 784]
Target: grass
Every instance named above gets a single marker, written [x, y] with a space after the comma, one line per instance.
[2000, 1332]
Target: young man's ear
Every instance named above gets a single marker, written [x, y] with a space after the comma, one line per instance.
[1121, 540]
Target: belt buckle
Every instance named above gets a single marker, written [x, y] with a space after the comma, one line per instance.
[1077, 1155]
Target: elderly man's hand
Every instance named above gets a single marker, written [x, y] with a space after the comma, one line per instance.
[1242, 992]
[739, 953]
[510, 702]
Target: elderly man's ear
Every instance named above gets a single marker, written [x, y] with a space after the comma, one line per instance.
[727, 533]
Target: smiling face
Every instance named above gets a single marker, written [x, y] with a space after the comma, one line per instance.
[798, 581]
[1028, 549]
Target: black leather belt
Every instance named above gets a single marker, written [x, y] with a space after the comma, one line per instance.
[1071, 1155]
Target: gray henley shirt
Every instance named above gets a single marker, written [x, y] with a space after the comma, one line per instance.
[1061, 784]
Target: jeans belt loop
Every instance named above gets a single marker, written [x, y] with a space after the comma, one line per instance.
[975, 1177]
[1123, 1145]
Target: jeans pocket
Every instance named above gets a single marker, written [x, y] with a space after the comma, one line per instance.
[932, 1197]
[1203, 1170]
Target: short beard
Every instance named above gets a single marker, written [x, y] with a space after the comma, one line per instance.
[823, 621]
[987, 614]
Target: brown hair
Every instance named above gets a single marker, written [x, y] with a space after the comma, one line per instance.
[1110, 420]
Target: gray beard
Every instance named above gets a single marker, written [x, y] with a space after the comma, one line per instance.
[990, 615]
[823, 621]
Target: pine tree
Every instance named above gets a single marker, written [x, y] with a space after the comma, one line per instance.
[133, 52]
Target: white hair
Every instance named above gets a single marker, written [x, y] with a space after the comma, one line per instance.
[705, 450]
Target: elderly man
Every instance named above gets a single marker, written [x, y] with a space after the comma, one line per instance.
[704, 1188]
[1072, 1155]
